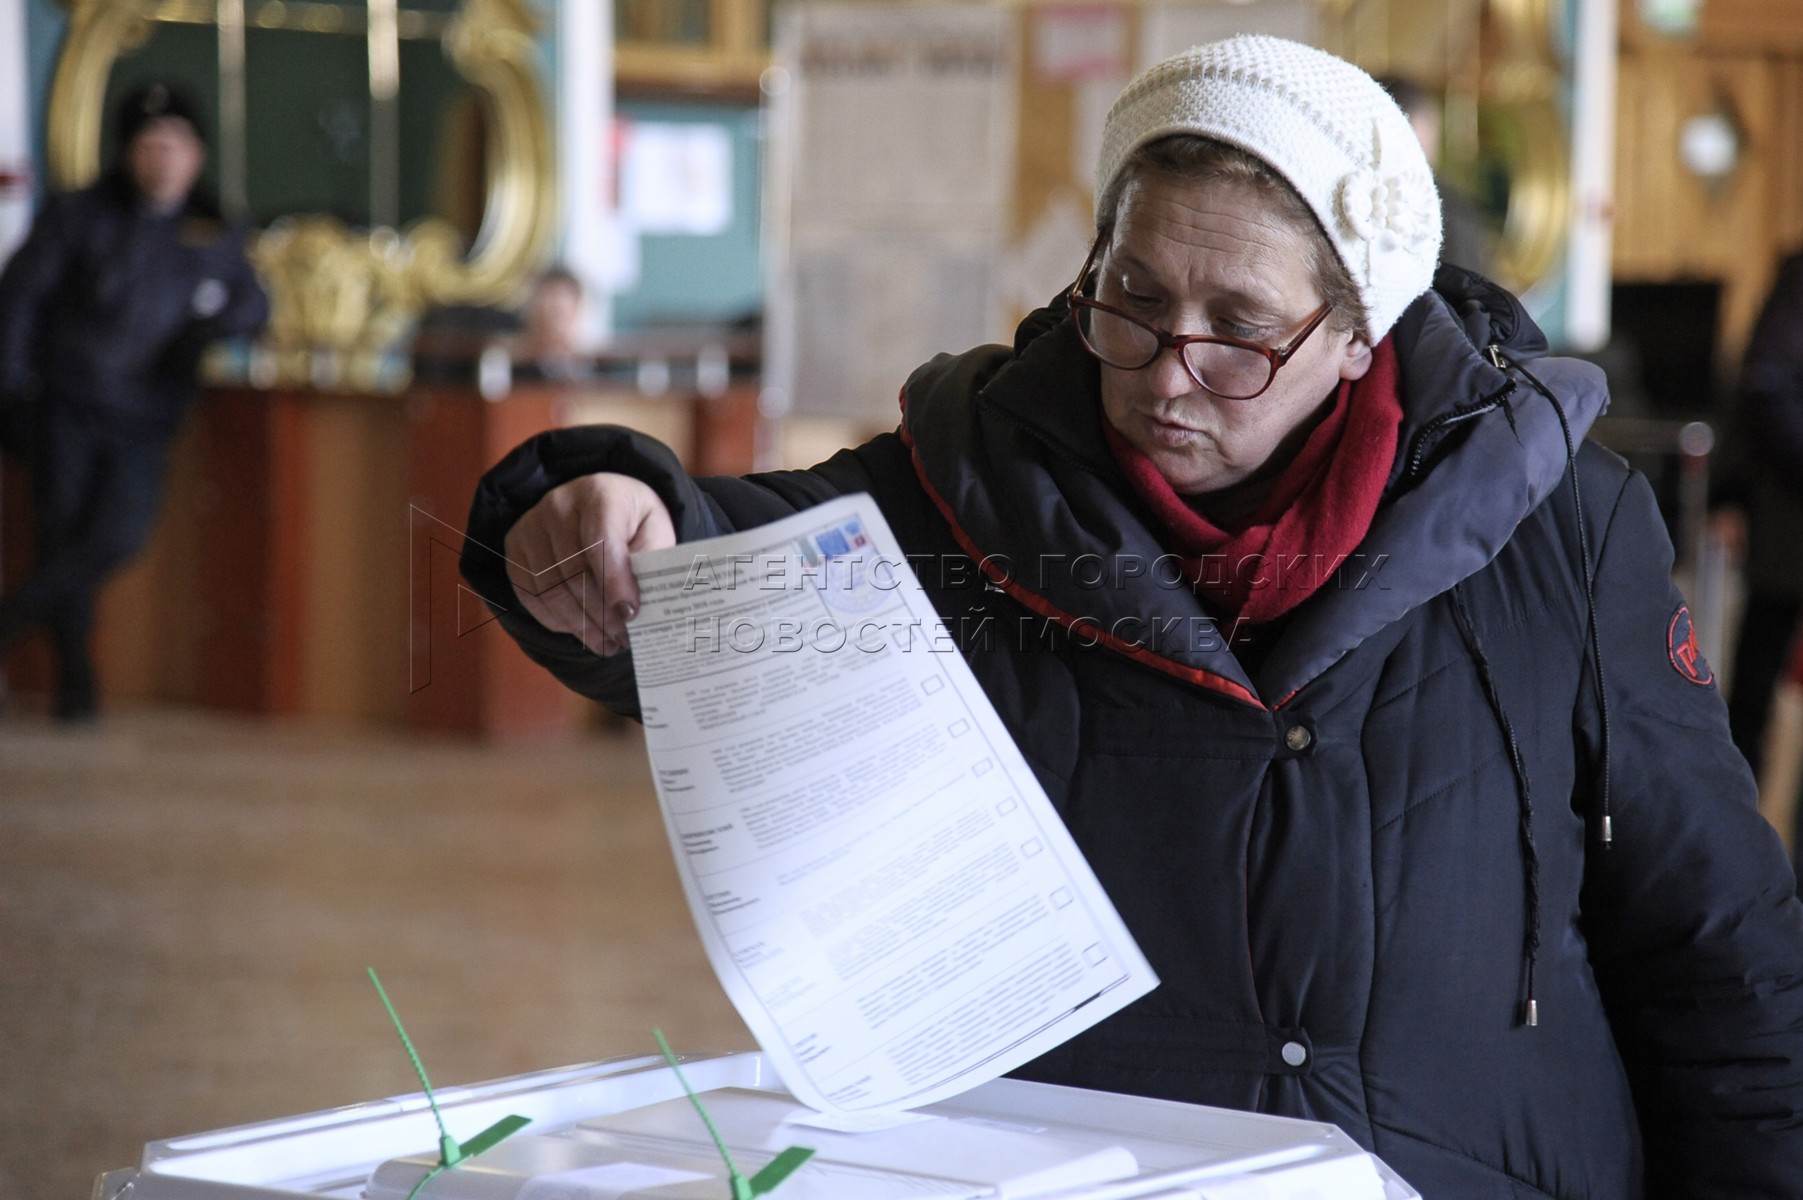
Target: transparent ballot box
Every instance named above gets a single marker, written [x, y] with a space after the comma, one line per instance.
[624, 1130]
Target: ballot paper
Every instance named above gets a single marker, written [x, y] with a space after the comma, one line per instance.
[884, 890]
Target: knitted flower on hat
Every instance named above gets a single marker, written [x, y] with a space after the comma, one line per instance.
[1325, 126]
[1392, 205]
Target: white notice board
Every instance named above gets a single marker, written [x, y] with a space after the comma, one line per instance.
[891, 165]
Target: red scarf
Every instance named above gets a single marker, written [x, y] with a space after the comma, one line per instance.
[1316, 515]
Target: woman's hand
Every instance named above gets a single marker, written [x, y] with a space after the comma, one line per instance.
[567, 558]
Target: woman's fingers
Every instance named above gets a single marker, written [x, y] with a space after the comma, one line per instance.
[656, 531]
[607, 561]
[549, 569]
[569, 556]
[548, 585]
[647, 526]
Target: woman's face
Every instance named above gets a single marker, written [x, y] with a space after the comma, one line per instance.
[1194, 257]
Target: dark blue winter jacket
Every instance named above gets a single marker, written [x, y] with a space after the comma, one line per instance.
[1444, 789]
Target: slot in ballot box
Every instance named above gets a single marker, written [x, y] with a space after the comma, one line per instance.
[623, 1130]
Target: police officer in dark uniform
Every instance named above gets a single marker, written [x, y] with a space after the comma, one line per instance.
[104, 313]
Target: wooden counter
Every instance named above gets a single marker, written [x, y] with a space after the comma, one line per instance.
[306, 558]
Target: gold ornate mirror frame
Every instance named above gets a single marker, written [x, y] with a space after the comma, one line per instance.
[1499, 63]
[342, 299]
[1520, 91]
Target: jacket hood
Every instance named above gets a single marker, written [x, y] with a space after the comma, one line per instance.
[1008, 443]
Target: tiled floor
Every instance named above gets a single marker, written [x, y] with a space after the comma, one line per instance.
[188, 903]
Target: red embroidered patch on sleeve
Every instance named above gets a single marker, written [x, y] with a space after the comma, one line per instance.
[1686, 655]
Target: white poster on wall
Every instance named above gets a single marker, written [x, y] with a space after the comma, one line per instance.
[676, 178]
[890, 179]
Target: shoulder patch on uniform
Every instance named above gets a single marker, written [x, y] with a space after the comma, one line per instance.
[1686, 655]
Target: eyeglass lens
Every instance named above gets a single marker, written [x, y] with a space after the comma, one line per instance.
[1230, 371]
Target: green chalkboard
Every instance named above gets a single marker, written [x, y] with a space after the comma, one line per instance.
[308, 113]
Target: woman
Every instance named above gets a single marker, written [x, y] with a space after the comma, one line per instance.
[1415, 792]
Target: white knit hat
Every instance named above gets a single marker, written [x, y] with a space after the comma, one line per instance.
[1325, 126]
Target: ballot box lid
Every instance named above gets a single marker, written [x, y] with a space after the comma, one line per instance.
[618, 1129]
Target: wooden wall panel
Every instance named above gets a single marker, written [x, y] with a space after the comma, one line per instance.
[354, 661]
[27, 664]
[251, 574]
[1670, 222]
[1058, 117]
[1668, 225]
[1047, 125]
[1756, 26]
[1671, 225]
[1641, 247]
[1787, 154]
[146, 637]
[1745, 236]
[466, 675]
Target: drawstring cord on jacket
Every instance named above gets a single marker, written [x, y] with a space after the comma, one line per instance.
[1530, 857]
[1605, 819]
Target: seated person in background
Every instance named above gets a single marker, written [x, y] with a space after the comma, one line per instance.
[1383, 729]
[552, 344]
[104, 314]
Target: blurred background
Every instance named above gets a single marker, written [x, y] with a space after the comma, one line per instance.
[736, 225]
